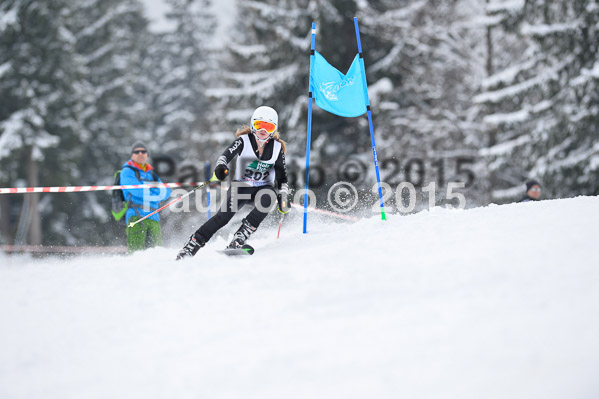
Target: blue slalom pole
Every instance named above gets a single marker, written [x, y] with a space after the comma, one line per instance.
[208, 176]
[376, 161]
[309, 135]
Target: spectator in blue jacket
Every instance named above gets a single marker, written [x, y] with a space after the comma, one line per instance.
[137, 170]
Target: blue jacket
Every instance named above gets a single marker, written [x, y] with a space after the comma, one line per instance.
[136, 196]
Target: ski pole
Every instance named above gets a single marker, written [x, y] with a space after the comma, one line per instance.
[280, 224]
[213, 178]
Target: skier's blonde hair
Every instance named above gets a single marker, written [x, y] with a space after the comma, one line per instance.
[277, 136]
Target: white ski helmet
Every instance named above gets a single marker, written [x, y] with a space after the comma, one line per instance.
[266, 114]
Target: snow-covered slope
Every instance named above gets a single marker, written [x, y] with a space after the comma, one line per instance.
[494, 302]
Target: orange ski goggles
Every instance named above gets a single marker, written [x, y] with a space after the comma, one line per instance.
[268, 126]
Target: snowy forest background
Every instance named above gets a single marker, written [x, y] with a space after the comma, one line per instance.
[489, 93]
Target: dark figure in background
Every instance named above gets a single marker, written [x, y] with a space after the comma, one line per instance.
[533, 191]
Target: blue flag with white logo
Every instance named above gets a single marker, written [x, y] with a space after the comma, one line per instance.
[340, 94]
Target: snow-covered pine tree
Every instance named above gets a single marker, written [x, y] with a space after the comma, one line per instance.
[112, 40]
[262, 60]
[425, 64]
[543, 105]
[42, 84]
[183, 63]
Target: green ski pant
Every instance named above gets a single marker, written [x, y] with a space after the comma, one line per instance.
[143, 235]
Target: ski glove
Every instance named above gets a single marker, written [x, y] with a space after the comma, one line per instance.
[221, 172]
[283, 203]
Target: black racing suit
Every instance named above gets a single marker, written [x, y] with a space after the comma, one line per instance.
[266, 194]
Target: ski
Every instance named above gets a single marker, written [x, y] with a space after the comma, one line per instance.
[244, 250]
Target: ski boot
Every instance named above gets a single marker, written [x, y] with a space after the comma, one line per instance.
[241, 235]
[192, 246]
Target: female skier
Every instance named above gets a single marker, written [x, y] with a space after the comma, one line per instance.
[260, 161]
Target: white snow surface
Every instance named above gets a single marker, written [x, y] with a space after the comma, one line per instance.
[493, 302]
